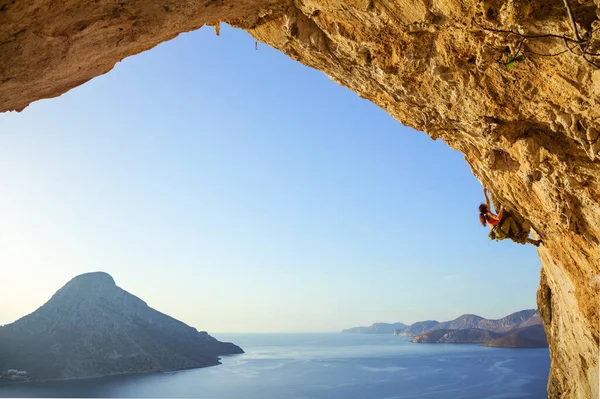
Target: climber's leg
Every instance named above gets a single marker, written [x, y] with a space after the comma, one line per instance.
[509, 226]
[534, 242]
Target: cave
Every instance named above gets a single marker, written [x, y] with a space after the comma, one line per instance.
[513, 85]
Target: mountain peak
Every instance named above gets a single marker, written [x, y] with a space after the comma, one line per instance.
[93, 278]
[86, 287]
[91, 327]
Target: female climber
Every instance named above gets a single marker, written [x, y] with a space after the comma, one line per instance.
[502, 226]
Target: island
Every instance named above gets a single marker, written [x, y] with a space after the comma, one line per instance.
[93, 328]
[521, 329]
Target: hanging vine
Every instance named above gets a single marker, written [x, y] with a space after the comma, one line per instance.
[577, 45]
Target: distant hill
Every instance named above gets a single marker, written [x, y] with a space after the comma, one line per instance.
[376, 328]
[417, 328]
[91, 327]
[532, 336]
[532, 321]
[460, 323]
[466, 336]
[507, 323]
[424, 330]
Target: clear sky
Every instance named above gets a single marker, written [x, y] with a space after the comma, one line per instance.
[238, 190]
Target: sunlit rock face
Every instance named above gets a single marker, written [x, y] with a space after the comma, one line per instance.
[529, 128]
[49, 47]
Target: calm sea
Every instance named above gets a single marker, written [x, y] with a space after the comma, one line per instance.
[330, 366]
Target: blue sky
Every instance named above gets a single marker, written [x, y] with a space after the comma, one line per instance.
[238, 190]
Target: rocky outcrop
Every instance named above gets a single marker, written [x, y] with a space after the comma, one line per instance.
[466, 336]
[508, 83]
[92, 328]
[526, 337]
[417, 328]
[47, 48]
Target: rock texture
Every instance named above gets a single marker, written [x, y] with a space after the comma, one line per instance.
[91, 328]
[529, 128]
[47, 48]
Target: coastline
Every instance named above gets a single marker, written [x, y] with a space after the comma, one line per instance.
[482, 344]
[98, 377]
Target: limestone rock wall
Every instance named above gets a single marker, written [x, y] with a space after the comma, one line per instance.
[530, 132]
[523, 107]
[48, 47]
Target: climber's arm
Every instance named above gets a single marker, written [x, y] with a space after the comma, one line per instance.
[501, 213]
[487, 199]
